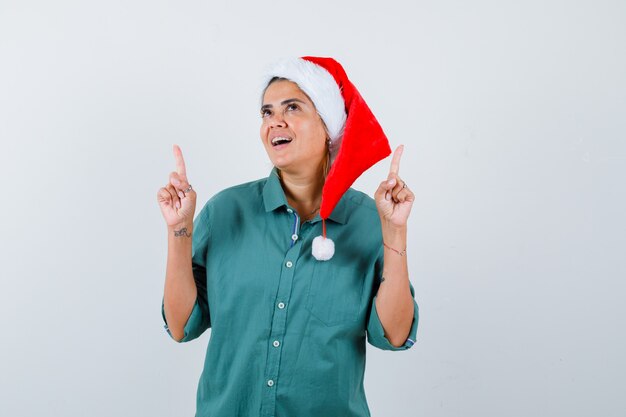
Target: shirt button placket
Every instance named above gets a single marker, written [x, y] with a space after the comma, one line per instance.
[279, 320]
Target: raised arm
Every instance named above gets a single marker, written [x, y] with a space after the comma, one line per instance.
[394, 301]
[178, 203]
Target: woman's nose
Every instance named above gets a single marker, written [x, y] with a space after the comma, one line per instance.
[277, 120]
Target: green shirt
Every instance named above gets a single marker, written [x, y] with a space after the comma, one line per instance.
[288, 331]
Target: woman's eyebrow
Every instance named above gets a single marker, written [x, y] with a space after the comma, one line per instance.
[282, 103]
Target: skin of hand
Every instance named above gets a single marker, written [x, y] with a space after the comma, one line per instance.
[392, 201]
[177, 206]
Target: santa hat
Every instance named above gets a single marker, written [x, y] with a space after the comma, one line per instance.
[357, 140]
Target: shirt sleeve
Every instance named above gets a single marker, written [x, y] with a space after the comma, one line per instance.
[375, 332]
[199, 319]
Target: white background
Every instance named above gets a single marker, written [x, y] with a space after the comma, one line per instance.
[513, 118]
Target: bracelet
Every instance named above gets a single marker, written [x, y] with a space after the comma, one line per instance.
[401, 253]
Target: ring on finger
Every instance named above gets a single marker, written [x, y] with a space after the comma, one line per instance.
[188, 189]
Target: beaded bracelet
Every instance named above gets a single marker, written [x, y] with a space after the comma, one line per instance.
[401, 253]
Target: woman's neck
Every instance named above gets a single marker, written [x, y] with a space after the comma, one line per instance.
[303, 192]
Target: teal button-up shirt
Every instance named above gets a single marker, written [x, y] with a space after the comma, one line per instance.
[288, 332]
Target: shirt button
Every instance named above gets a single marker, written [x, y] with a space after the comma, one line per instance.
[281, 305]
[294, 237]
[270, 383]
[289, 210]
[288, 264]
[276, 343]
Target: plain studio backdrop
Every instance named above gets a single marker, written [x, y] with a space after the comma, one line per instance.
[513, 117]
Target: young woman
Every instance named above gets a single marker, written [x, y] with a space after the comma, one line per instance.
[290, 314]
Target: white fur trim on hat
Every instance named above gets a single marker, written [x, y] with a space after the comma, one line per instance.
[320, 86]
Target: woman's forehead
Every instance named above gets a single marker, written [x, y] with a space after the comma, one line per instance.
[281, 90]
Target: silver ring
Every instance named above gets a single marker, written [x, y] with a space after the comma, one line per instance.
[188, 189]
[403, 185]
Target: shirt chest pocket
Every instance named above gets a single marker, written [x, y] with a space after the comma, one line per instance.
[335, 293]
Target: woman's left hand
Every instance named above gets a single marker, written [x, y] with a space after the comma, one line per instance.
[393, 198]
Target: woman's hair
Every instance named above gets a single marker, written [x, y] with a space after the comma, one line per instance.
[273, 80]
[327, 158]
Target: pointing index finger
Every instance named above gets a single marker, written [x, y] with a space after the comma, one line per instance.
[180, 162]
[395, 161]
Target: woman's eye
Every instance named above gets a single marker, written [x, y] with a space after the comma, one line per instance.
[292, 106]
[265, 113]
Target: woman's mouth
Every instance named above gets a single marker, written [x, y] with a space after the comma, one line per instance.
[280, 142]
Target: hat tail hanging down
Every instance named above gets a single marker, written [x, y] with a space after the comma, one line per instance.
[356, 144]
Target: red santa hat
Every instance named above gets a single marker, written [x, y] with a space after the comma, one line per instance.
[357, 140]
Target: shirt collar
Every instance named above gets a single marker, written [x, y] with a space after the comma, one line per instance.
[274, 197]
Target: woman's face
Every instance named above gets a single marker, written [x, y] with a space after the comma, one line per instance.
[292, 132]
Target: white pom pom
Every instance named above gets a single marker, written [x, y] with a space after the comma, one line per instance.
[323, 248]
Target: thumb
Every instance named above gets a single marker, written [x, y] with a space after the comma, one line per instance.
[384, 186]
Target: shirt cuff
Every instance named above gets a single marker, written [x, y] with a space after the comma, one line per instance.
[193, 322]
[376, 334]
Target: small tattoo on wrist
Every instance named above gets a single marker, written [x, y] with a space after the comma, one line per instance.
[181, 232]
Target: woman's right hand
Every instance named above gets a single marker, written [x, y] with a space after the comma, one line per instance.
[177, 206]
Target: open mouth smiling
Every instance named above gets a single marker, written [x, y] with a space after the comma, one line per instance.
[280, 140]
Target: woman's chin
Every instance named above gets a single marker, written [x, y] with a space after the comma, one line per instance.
[282, 163]
[295, 166]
